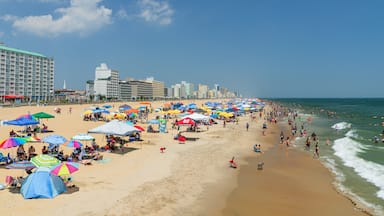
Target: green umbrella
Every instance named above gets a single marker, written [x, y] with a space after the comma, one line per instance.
[44, 160]
[42, 115]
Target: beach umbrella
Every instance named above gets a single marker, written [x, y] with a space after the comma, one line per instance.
[42, 184]
[74, 144]
[12, 142]
[55, 139]
[139, 127]
[44, 160]
[83, 137]
[107, 106]
[23, 120]
[153, 121]
[42, 115]
[100, 111]
[124, 107]
[31, 139]
[131, 111]
[65, 168]
[87, 112]
[21, 165]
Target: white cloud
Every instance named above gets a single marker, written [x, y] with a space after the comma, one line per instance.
[156, 11]
[82, 16]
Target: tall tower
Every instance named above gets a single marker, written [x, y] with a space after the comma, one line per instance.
[64, 86]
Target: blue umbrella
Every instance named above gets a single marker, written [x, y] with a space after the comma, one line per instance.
[125, 107]
[106, 106]
[153, 121]
[54, 139]
[23, 121]
[100, 111]
[42, 184]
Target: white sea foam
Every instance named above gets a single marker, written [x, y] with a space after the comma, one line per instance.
[340, 177]
[352, 134]
[347, 149]
[341, 126]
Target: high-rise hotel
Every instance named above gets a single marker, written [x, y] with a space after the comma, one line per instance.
[25, 74]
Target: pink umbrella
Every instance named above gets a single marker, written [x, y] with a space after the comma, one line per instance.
[65, 168]
[74, 144]
[12, 142]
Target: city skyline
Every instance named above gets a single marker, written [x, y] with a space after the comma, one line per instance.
[258, 48]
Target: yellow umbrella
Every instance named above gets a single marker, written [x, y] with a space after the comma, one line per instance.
[87, 112]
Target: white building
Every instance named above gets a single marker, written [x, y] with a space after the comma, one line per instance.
[106, 82]
[202, 91]
[26, 74]
[187, 89]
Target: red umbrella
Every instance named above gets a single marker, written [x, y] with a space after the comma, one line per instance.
[139, 127]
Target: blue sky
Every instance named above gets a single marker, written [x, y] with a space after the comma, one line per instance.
[263, 48]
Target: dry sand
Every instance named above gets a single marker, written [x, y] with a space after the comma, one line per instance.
[188, 179]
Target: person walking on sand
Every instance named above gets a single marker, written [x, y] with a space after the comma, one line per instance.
[232, 163]
[247, 126]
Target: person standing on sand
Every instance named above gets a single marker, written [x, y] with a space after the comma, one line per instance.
[281, 137]
[247, 126]
[317, 151]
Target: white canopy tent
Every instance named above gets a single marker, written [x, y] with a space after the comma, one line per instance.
[115, 127]
[197, 117]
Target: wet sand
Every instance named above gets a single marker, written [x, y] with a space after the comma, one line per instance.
[291, 183]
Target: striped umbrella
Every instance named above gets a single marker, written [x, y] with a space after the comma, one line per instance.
[12, 142]
[65, 168]
[44, 160]
[31, 139]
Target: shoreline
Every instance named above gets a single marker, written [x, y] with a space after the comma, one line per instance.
[345, 199]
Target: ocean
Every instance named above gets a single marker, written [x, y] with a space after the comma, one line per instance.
[347, 129]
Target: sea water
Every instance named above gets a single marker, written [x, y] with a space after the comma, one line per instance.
[346, 129]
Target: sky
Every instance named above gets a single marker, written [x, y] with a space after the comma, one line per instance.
[260, 48]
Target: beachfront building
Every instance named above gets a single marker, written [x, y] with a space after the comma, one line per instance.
[187, 90]
[176, 91]
[90, 89]
[157, 88]
[26, 75]
[106, 85]
[168, 92]
[125, 90]
[202, 91]
[141, 90]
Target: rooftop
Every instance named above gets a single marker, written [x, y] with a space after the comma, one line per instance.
[3, 47]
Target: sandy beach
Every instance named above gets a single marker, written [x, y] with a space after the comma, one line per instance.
[187, 179]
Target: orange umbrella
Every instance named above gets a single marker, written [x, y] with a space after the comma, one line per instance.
[131, 111]
[145, 103]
